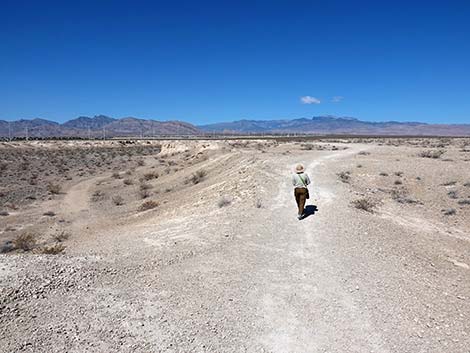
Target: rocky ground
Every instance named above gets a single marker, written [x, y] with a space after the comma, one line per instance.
[218, 262]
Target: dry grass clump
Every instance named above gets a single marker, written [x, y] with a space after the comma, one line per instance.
[434, 154]
[464, 202]
[54, 188]
[364, 204]
[49, 214]
[401, 196]
[148, 205]
[150, 175]
[97, 196]
[118, 200]
[345, 177]
[449, 212]
[398, 182]
[197, 177]
[4, 213]
[224, 201]
[453, 194]
[128, 181]
[52, 249]
[60, 237]
[25, 242]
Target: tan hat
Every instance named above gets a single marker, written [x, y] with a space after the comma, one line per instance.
[299, 168]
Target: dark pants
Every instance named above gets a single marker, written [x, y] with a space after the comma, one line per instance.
[300, 197]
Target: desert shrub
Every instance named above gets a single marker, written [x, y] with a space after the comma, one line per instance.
[258, 203]
[383, 174]
[363, 153]
[434, 154]
[49, 213]
[97, 196]
[449, 212]
[144, 193]
[60, 237]
[197, 177]
[128, 181]
[140, 162]
[4, 213]
[116, 175]
[359, 166]
[449, 183]
[401, 196]
[224, 201]
[364, 204]
[144, 186]
[453, 194]
[148, 205]
[463, 202]
[52, 249]
[150, 175]
[307, 146]
[118, 200]
[25, 241]
[398, 174]
[345, 177]
[54, 188]
[168, 189]
[398, 182]
[467, 184]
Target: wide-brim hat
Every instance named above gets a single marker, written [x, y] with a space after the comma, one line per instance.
[299, 168]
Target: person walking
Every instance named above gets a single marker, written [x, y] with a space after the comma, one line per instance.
[300, 180]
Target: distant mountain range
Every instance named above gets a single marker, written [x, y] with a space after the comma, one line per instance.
[101, 125]
[95, 127]
[338, 126]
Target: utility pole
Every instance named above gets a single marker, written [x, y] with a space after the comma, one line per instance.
[9, 131]
[104, 133]
[26, 133]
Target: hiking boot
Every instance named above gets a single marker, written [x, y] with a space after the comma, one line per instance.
[299, 217]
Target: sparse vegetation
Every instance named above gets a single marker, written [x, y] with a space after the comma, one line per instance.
[49, 214]
[449, 212]
[148, 205]
[52, 249]
[150, 175]
[4, 213]
[116, 175]
[60, 237]
[453, 194]
[345, 177]
[25, 242]
[258, 203]
[128, 181]
[383, 174]
[197, 177]
[434, 154]
[118, 200]
[464, 202]
[54, 188]
[224, 201]
[364, 204]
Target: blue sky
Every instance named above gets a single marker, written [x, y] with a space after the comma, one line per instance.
[208, 61]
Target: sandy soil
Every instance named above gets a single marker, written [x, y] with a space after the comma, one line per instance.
[221, 264]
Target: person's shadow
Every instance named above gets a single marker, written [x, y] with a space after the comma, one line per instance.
[310, 210]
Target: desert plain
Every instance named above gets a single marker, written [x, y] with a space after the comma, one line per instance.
[194, 246]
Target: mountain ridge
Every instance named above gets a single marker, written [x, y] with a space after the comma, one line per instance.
[104, 126]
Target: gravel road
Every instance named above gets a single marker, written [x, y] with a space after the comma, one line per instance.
[245, 279]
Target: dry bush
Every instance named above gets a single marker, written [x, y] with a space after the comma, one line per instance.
[453, 194]
[464, 202]
[168, 189]
[401, 196]
[118, 200]
[25, 241]
[49, 213]
[258, 203]
[150, 175]
[140, 162]
[345, 177]
[4, 213]
[128, 182]
[144, 193]
[363, 153]
[116, 175]
[398, 174]
[364, 204]
[197, 177]
[148, 205]
[383, 174]
[449, 183]
[145, 186]
[434, 154]
[52, 250]
[60, 237]
[449, 212]
[398, 182]
[54, 188]
[97, 196]
[224, 201]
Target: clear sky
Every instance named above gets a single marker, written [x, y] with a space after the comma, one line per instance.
[209, 61]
